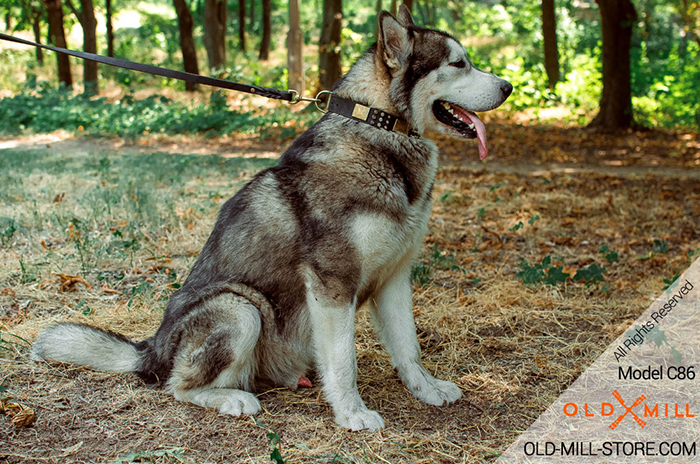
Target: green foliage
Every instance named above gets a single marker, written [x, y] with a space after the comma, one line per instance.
[438, 259]
[520, 225]
[546, 273]
[692, 254]
[555, 275]
[590, 274]
[669, 283]
[276, 454]
[534, 219]
[541, 273]
[517, 226]
[503, 37]
[421, 274]
[8, 227]
[609, 254]
[664, 70]
[660, 245]
[7, 340]
[659, 338]
[49, 110]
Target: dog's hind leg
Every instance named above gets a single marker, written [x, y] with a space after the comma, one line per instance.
[215, 360]
[393, 319]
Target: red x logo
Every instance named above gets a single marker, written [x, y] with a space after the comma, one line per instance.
[639, 401]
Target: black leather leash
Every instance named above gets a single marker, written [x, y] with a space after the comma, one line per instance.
[291, 96]
[373, 116]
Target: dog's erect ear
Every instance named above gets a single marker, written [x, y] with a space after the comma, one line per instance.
[404, 17]
[394, 42]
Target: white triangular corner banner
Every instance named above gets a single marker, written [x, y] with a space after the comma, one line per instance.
[639, 402]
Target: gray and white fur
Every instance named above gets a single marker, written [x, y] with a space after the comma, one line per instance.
[336, 224]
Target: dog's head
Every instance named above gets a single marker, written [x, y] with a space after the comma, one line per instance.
[432, 82]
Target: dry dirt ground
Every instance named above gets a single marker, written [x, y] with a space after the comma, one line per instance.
[126, 220]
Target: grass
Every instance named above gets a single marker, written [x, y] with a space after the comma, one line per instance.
[130, 222]
[44, 109]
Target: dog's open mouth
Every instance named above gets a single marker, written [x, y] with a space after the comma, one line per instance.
[465, 122]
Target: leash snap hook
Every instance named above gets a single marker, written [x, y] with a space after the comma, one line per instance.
[296, 98]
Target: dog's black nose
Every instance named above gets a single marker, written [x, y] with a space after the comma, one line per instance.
[506, 88]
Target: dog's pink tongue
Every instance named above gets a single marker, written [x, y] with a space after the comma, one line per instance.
[472, 118]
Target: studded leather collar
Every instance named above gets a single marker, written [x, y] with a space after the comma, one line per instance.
[373, 116]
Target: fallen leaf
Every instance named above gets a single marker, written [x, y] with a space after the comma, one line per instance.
[569, 270]
[69, 282]
[24, 418]
[20, 415]
[111, 291]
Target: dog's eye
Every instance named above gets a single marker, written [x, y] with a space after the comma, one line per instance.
[459, 64]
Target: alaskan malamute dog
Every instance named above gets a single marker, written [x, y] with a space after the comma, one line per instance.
[335, 225]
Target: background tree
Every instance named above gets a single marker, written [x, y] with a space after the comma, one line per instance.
[88, 22]
[109, 12]
[689, 12]
[266, 29]
[549, 34]
[295, 45]
[54, 9]
[618, 18]
[329, 64]
[241, 25]
[31, 16]
[427, 12]
[185, 24]
[215, 13]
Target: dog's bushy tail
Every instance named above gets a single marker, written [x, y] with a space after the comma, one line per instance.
[81, 344]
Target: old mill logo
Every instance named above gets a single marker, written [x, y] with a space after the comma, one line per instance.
[608, 410]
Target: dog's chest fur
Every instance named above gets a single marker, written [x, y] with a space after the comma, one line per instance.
[376, 187]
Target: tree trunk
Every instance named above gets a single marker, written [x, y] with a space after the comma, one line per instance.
[189, 52]
[376, 23]
[110, 28]
[36, 27]
[88, 22]
[618, 17]
[394, 7]
[8, 21]
[241, 25]
[549, 33]
[329, 68]
[266, 30]
[295, 49]
[55, 14]
[409, 4]
[690, 25]
[215, 32]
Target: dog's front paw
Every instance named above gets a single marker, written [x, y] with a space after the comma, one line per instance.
[240, 402]
[433, 391]
[360, 419]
